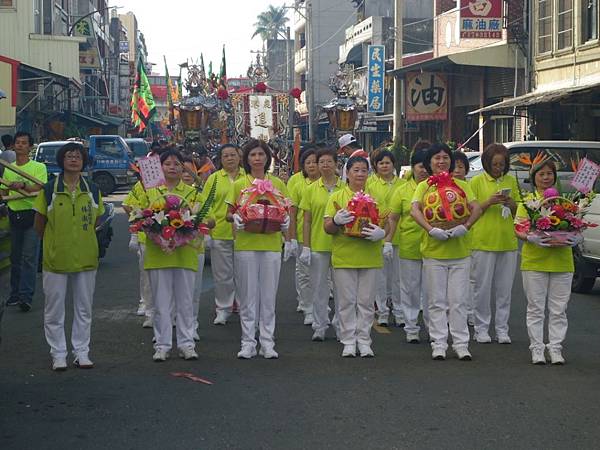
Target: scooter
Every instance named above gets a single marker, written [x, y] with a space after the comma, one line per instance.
[104, 231]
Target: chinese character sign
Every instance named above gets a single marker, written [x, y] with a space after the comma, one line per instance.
[261, 116]
[586, 176]
[151, 172]
[426, 96]
[481, 19]
[375, 78]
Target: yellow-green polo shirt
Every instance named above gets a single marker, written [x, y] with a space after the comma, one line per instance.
[294, 179]
[385, 189]
[491, 232]
[543, 259]
[410, 232]
[33, 168]
[185, 257]
[222, 229]
[297, 191]
[352, 252]
[453, 248]
[261, 242]
[133, 201]
[315, 200]
[70, 243]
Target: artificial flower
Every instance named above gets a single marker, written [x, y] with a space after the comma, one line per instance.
[551, 192]
[554, 220]
[174, 215]
[159, 216]
[543, 223]
[147, 212]
[186, 216]
[172, 202]
[533, 203]
[168, 232]
[176, 223]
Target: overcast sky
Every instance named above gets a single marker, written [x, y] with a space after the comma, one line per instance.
[181, 29]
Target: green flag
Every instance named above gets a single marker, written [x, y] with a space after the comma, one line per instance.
[142, 101]
[223, 69]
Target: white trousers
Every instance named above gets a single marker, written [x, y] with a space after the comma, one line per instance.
[447, 280]
[145, 289]
[303, 285]
[555, 289]
[388, 286]
[492, 272]
[55, 292]
[354, 291]
[319, 279]
[221, 262]
[173, 290]
[198, 289]
[257, 279]
[411, 292]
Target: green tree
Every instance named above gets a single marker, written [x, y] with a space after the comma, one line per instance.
[270, 23]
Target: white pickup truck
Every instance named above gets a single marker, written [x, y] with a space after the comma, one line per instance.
[587, 257]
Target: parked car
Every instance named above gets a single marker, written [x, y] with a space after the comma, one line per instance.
[139, 147]
[110, 159]
[587, 256]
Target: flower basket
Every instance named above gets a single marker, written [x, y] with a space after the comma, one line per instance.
[557, 238]
[262, 207]
[447, 206]
[364, 209]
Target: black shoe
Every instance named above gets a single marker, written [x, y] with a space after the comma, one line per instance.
[25, 306]
[12, 301]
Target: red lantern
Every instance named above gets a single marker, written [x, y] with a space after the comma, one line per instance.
[296, 93]
[222, 94]
[260, 87]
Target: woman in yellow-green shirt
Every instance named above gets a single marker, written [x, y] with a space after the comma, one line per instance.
[221, 243]
[356, 262]
[257, 258]
[547, 276]
[446, 261]
[310, 173]
[316, 250]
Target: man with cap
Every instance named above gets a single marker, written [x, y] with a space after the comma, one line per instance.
[349, 147]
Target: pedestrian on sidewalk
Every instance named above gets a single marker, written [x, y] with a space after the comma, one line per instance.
[67, 212]
[316, 247]
[356, 262]
[494, 244]
[25, 243]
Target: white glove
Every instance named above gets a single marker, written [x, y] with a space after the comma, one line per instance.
[134, 244]
[574, 241]
[238, 222]
[342, 217]
[294, 247]
[287, 250]
[286, 225]
[388, 250]
[208, 242]
[439, 234]
[536, 239]
[457, 231]
[305, 256]
[373, 232]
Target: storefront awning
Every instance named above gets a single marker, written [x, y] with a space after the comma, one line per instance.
[112, 120]
[534, 98]
[94, 120]
[502, 55]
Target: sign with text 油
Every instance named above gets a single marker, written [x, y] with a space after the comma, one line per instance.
[261, 116]
[481, 19]
[426, 96]
[375, 78]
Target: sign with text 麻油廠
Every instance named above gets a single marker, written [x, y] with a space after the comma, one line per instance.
[481, 19]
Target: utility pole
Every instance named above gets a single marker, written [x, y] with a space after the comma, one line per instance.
[290, 85]
[310, 97]
[398, 85]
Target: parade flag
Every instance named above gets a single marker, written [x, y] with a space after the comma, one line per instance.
[223, 70]
[202, 65]
[142, 101]
[210, 72]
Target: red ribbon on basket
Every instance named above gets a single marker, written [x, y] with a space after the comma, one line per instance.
[363, 205]
[444, 183]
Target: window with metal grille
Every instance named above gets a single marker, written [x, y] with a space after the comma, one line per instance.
[565, 24]
[544, 26]
[589, 20]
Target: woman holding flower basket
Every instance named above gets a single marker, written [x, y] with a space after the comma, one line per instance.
[259, 212]
[550, 225]
[171, 217]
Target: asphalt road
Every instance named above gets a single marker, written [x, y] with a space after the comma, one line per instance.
[309, 398]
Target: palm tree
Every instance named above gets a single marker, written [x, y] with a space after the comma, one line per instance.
[270, 23]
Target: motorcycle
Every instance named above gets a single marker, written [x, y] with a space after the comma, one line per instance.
[104, 231]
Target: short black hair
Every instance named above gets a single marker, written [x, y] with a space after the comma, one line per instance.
[460, 156]
[304, 156]
[7, 140]
[355, 160]
[433, 150]
[251, 145]
[379, 157]
[71, 147]
[327, 151]
[171, 152]
[219, 155]
[19, 134]
[535, 169]
[418, 156]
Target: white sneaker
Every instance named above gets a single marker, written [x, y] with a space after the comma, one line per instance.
[413, 338]
[463, 354]
[365, 351]
[141, 309]
[537, 357]
[196, 336]
[247, 352]
[148, 323]
[268, 353]
[482, 338]
[221, 318]
[503, 339]
[188, 353]
[438, 354]
[382, 321]
[318, 336]
[349, 351]
[59, 364]
[299, 309]
[556, 357]
[399, 321]
[83, 362]
[308, 319]
[160, 356]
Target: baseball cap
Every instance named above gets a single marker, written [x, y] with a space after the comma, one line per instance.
[346, 139]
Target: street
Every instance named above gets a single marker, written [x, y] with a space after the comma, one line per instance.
[310, 398]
